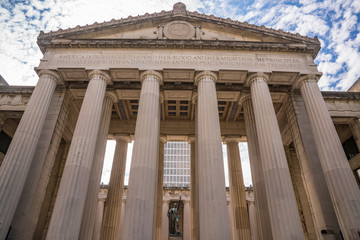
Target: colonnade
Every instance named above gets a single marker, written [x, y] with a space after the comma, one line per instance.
[185, 217]
[275, 200]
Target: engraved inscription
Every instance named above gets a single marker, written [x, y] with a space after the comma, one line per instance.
[190, 61]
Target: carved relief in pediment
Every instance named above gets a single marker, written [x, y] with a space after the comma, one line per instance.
[179, 30]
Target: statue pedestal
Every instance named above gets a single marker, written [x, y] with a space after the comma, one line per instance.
[175, 238]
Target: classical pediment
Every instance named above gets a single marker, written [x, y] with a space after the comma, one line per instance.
[176, 29]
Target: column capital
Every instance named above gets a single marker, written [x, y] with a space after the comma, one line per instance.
[201, 75]
[243, 98]
[158, 76]
[304, 78]
[100, 74]
[250, 202]
[256, 76]
[112, 95]
[161, 97]
[229, 139]
[163, 139]
[122, 137]
[194, 98]
[2, 119]
[53, 75]
[191, 139]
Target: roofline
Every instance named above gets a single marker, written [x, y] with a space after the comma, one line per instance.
[178, 13]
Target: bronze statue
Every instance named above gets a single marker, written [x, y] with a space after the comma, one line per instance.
[174, 216]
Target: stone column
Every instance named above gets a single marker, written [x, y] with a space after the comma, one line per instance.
[312, 175]
[186, 221]
[28, 214]
[237, 190]
[141, 198]
[231, 220]
[213, 216]
[193, 213]
[98, 220]
[160, 183]
[253, 221]
[17, 161]
[279, 192]
[96, 171]
[2, 120]
[70, 202]
[165, 222]
[343, 189]
[111, 222]
[355, 129]
[256, 170]
[122, 215]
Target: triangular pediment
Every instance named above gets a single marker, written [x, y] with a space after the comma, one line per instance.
[179, 25]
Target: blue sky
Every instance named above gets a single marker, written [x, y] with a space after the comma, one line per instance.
[336, 23]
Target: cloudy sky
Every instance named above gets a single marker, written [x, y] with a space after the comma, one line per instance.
[336, 23]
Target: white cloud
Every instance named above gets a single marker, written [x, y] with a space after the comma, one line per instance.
[331, 20]
[335, 21]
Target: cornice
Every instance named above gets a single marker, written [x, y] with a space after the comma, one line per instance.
[182, 15]
[179, 44]
[341, 95]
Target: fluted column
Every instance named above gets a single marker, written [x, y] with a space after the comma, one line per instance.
[279, 192]
[312, 175]
[213, 216]
[98, 220]
[193, 213]
[256, 170]
[231, 220]
[237, 190]
[355, 129]
[111, 222]
[17, 161]
[122, 215]
[165, 222]
[186, 221]
[141, 198]
[69, 206]
[2, 120]
[253, 221]
[343, 189]
[160, 184]
[89, 214]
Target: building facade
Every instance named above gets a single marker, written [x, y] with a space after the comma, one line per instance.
[178, 76]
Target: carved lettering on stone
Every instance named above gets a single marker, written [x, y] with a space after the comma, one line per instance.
[172, 61]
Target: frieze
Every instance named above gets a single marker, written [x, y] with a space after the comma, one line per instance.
[14, 102]
[171, 59]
